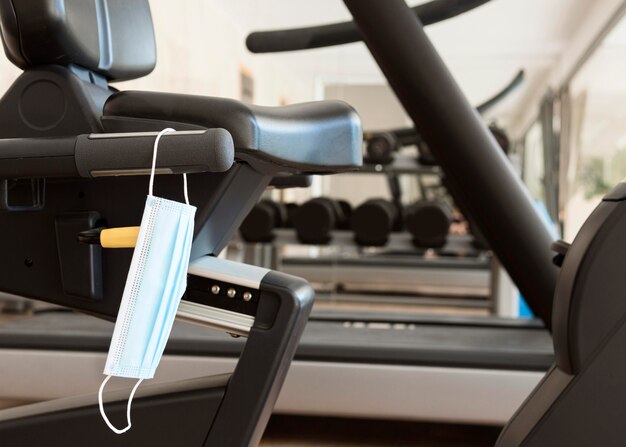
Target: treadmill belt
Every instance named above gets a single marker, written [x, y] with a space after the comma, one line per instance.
[457, 344]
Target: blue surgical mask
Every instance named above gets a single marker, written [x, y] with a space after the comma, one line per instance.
[156, 281]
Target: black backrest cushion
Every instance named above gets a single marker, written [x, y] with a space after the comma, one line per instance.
[114, 38]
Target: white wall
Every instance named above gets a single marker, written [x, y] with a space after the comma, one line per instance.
[8, 73]
[591, 27]
[201, 51]
[379, 109]
[376, 104]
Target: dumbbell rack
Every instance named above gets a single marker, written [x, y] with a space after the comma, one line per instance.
[401, 164]
[395, 274]
[458, 274]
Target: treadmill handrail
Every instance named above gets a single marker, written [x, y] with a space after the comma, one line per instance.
[341, 33]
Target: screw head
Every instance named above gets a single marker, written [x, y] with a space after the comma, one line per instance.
[215, 289]
[247, 296]
[231, 293]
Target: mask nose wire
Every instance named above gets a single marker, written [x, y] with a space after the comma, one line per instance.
[154, 158]
[130, 401]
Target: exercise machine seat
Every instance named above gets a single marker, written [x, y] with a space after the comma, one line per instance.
[310, 135]
[114, 38]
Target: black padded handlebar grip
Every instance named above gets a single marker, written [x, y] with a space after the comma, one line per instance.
[37, 157]
[347, 32]
[131, 153]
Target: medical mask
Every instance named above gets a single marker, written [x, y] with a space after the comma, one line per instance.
[156, 281]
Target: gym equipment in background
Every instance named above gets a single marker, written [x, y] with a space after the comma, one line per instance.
[347, 32]
[429, 223]
[292, 209]
[374, 220]
[315, 219]
[265, 216]
[381, 146]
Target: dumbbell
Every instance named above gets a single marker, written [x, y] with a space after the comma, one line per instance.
[374, 220]
[343, 223]
[291, 208]
[380, 148]
[265, 216]
[315, 219]
[429, 223]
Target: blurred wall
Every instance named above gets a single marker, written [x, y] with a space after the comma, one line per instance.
[201, 50]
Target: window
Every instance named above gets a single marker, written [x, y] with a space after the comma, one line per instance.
[533, 171]
[597, 159]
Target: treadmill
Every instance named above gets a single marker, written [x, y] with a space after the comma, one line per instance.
[383, 365]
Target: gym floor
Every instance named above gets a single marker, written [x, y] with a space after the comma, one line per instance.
[287, 431]
[301, 431]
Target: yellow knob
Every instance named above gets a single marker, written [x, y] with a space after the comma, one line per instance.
[123, 237]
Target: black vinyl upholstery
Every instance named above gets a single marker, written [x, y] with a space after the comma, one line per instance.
[315, 134]
[113, 38]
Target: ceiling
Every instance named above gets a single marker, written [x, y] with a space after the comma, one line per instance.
[484, 48]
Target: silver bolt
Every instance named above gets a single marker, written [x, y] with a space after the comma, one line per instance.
[215, 289]
[247, 296]
[231, 293]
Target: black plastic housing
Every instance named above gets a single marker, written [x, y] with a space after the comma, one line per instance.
[210, 414]
[113, 38]
[580, 401]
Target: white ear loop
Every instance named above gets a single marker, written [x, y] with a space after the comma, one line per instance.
[185, 186]
[155, 148]
[130, 401]
[154, 158]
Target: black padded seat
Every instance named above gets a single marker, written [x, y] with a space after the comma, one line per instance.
[112, 38]
[321, 136]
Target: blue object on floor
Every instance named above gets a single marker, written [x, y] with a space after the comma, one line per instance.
[524, 310]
